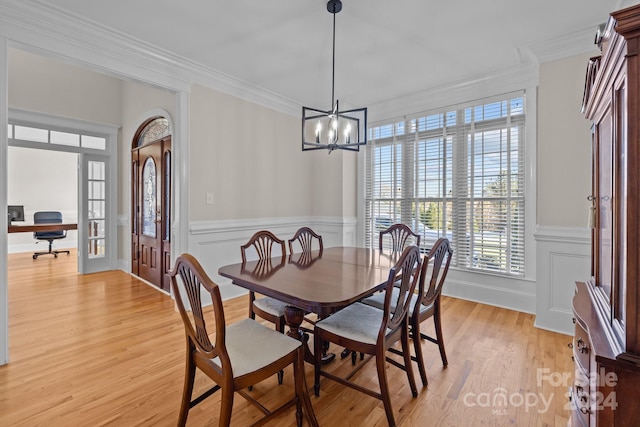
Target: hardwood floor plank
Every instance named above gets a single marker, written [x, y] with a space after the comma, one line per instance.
[105, 349]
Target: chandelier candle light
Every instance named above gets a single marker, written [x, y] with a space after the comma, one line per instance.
[333, 129]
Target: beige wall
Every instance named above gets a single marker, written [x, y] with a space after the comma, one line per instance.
[249, 158]
[42, 180]
[50, 86]
[563, 146]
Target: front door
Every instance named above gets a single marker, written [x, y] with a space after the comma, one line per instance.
[151, 208]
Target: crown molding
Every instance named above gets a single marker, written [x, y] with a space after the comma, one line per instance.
[571, 44]
[519, 77]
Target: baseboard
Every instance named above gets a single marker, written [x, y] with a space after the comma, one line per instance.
[32, 247]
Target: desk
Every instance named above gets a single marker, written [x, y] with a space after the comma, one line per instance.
[30, 228]
[314, 282]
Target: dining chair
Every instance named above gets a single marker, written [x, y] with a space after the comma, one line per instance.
[263, 243]
[399, 234]
[231, 360]
[371, 331]
[271, 309]
[426, 303]
[304, 238]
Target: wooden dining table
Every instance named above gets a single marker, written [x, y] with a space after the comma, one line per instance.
[319, 282]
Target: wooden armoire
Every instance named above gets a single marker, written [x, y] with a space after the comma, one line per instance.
[606, 345]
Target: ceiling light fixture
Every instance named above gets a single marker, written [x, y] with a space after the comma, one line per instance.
[333, 129]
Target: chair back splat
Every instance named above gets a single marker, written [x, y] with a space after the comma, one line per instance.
[263, 242]
[399, 234]
[439, 259]
[231, 361]
[195, 325]
[305, 238]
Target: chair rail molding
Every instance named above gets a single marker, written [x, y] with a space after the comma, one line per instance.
[563, 257]
[217, 243]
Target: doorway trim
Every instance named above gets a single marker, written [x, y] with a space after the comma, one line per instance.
[110, 133]
[164, 234]
[131, 62]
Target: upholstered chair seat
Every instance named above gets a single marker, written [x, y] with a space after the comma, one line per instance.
[270, 305]
[357, 322]
[243, 337]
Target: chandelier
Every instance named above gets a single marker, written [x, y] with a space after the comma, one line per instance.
[333, 129]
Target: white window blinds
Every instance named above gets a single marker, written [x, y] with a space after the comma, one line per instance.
[457, 173]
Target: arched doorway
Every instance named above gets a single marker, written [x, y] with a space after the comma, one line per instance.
[151, 202]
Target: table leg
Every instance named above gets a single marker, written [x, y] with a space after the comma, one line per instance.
[293, 317]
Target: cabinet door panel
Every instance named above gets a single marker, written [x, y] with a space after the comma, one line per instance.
[605, 215]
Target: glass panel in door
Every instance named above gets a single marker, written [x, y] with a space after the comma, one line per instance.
[93, 227]
[96, 209]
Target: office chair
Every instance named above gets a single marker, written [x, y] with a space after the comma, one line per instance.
[48, 217]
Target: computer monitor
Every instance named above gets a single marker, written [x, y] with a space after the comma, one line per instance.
[15, 213]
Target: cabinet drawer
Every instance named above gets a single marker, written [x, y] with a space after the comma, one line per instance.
[581, 348]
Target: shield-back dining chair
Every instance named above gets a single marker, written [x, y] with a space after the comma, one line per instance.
[395, 238]
[400, 235]
[307, 241]
[368, 330]
[229, 357]
[264, 242]
[426, 303]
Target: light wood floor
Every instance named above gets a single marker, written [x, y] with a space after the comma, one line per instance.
[106, 349]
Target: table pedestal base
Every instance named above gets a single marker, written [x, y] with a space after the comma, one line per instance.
[293, 317]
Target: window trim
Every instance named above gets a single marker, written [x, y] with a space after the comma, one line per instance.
[49, 122]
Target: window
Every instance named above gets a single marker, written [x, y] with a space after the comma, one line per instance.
[457, 173]
[51, 136]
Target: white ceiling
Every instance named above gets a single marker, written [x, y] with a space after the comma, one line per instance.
[384, 49]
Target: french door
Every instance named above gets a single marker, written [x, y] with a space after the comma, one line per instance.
[94, 227]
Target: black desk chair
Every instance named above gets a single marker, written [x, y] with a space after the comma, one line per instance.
[48, 217]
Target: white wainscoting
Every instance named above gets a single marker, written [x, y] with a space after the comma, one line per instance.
[217, 243]
[563, 257]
